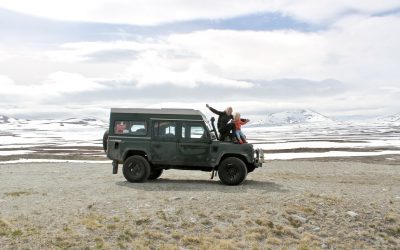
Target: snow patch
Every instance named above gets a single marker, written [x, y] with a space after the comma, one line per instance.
[290, 156]
[52, 161]
[292, 117]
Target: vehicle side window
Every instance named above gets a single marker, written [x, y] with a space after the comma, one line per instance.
[164, 129]
[193, 131]
[135, 128]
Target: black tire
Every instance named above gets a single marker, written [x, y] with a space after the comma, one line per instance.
[136, 169]
[155, 173]
[232, 171]
[250, 168]
[105, 138]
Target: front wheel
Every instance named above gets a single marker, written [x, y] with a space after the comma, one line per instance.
[155, 173]
[232, 171]
[136, 169]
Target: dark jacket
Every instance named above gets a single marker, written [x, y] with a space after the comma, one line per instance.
[223, 118]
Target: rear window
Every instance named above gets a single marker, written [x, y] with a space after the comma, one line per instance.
[164, 129]
[136, 128]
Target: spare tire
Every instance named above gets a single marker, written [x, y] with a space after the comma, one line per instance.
[105, 139]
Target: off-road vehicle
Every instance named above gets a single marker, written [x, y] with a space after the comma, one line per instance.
[148, 141]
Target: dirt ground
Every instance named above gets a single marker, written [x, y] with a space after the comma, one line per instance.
[285, 204]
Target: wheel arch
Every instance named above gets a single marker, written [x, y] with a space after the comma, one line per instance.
[239, 156]
[131, 152]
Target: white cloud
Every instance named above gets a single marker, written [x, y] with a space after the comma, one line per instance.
[357, 50]
[140, 12]
[151, 12]
[318, 11]
[56, 83]
[256, 54]
[9, 87]
[64, 82]
[365, 50]
[5, 81]
[82, 51]
[155, 67]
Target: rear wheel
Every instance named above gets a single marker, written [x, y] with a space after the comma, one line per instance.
[232, 171]
[155, 173]
[136, 169]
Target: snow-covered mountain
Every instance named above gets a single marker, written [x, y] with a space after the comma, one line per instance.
[6, 119]
[65, 132]
[90, 121]
[293, 117]
[78, 121]
[389, 119]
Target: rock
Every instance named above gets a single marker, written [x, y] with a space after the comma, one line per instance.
[352, 214]
[175, 198]
[397, 197]
[299, 218]
[300, 229]
[316, 229]
[193, 198]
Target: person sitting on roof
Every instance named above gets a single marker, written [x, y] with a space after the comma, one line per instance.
[224, 125]
[241, 138]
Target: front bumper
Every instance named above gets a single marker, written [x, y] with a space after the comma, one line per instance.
[258, 157]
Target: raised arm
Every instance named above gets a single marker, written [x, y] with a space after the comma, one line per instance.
[214, 110]
[244, 121]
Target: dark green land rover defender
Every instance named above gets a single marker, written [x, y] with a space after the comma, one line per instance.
[147, 141]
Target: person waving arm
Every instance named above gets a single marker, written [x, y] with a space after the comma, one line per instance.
[215, 111]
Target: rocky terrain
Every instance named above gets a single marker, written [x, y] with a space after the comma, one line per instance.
[285, 204]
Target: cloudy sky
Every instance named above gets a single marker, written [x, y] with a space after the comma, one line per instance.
[76, 58]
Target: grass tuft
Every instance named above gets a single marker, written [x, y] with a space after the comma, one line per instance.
[4, 228]
[142, 221]
[18, 193]
[191, 240]
[16, 233]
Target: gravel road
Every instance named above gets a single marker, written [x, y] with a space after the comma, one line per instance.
[293, 204]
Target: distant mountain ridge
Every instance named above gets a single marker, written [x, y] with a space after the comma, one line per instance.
[300, 116]
[6, 119]
[89, 121]
[389, 118]
[293, 117]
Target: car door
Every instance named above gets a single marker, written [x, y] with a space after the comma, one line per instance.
[163, 143]
[194, 144]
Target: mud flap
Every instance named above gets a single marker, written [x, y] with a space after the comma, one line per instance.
[213, 173]
[115, 167]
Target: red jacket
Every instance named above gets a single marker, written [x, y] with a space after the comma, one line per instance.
[239, 123]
